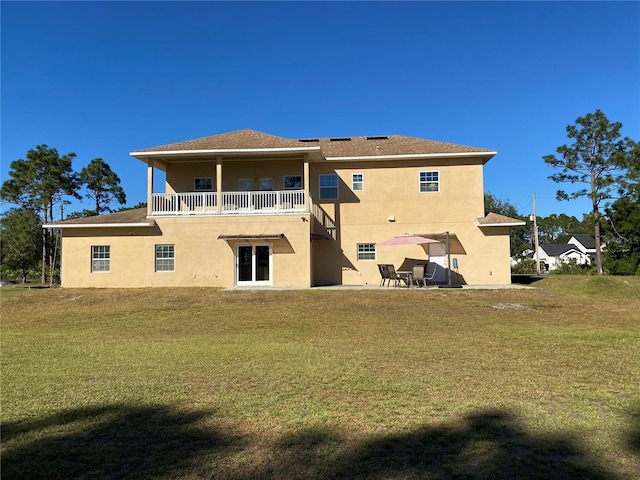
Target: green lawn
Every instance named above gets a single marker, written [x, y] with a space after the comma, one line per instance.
[370, 384]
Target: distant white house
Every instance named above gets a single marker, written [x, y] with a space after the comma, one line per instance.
[553, 255]
[586, 244]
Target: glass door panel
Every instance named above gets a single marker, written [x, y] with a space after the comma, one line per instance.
[262, 263]
[245, 263]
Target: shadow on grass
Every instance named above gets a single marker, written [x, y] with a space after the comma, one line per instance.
[158, 442]
[485, 445]
[110, 442]
[634, 431]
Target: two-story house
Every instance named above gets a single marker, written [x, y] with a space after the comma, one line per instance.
[248, 208]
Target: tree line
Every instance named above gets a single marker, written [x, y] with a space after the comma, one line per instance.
[39, 185]
[601, 165]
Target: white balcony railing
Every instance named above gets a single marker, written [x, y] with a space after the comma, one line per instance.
[233, 203]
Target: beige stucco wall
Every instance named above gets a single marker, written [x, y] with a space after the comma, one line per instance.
[201, 259]
[389, 205]
[180, 178]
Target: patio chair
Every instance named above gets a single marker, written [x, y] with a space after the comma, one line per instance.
[429, 276]
[384, 273]
[417, 274]
[421, 275]
[393, 276]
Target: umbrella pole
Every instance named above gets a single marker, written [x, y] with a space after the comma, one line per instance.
[448, 247]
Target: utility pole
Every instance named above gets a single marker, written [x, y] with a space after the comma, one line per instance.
[535, 234]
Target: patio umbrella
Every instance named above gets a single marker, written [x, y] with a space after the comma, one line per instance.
[408, 239]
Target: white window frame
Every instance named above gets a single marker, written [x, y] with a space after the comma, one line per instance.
[427, 185]
[197, 184]
[364, 250]
[100, 258]
[357, 185]
[325, 187]
[162, 259]
[253, 280]
[297, 182]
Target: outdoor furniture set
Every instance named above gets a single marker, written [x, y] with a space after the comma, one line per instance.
[418, 275]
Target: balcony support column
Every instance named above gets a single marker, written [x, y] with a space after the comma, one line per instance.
[150, 164]
[306, 183]
[219, 183]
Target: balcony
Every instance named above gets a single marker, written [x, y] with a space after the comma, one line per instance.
[233, 203]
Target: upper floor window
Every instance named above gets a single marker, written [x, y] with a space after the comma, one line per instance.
[430, 181]
[329, 187]
[366, 251]
[357, 182]
[165, 258]
[292, 182]
[203, 184]
[266, 184]
[100, 258]
[244, 185]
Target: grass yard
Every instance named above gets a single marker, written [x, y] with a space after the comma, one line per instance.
[323, 384]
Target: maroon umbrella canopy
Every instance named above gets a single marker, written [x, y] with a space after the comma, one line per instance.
[408, 239]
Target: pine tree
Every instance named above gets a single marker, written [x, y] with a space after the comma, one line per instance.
[103, 185]
[597, 158]
[40, 183]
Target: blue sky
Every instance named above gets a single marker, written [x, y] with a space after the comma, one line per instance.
[102, 79]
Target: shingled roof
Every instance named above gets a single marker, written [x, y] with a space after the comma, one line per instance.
[136, 216]
[331, 147]
[497, 220]
[557, 249]
[240, 139]
[587, 241]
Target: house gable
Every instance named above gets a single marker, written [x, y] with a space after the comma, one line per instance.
[585, 243]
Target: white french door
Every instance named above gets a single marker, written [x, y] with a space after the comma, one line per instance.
[254, 265]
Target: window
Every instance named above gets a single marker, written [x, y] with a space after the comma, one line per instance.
[329, 187]
[266, 184]
[100, 258]
[292, 182]
[203, 184]
[357, 182]
[366, 251]
[429, 181]
[165, 258]
[244, 185]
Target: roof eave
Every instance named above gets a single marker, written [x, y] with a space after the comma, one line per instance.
[99, 225]
[144, 155]
[511, 224]
[486, 156]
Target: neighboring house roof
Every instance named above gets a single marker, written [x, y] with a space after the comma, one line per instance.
[557, 249]
[336, 148]
[497, 220]
[587, 241]
[136, 217]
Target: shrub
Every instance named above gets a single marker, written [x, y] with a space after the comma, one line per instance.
[524, 266]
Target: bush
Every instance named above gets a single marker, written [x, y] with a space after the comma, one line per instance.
[573, 268]
[524, 266]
